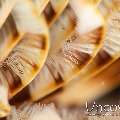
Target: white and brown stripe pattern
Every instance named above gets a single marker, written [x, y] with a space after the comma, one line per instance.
[9, 37]
[27, 58]
[93, 88]
[77, 31]
[66, 63]
[110, 50]
[53, 10]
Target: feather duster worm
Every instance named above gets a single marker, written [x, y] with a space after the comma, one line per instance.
[73, 55]
[110, 50]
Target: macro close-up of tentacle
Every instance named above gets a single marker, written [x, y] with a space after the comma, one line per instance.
[59, 54]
